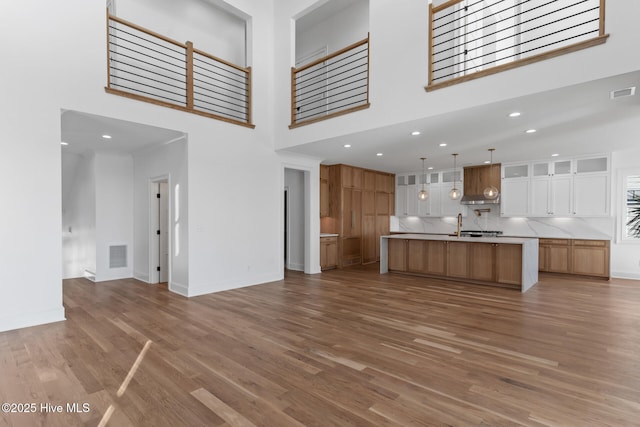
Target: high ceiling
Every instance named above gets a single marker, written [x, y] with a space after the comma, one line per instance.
[576, 120]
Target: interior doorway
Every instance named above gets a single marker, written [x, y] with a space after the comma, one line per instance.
[294, 220]
[159, 232]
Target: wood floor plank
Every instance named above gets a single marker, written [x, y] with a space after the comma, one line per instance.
[345, 347]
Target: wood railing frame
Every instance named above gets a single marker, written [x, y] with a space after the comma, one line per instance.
[190, 50]
[600, 39]
[294, 71]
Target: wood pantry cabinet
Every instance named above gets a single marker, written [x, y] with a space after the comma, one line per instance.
[360, 203]
[574, 256]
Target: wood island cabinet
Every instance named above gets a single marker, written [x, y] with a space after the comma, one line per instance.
[506, 262]
[457, 259]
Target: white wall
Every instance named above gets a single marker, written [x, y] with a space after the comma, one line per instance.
[398, 75]
[79, 216]
[210, 28]
[294, 182]
[170, 162]
[114, 212]
[234, 237]
[348, 26]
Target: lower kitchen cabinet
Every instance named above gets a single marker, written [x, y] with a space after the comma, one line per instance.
[328, 253]
[554, 255]
[509, 267]
[457, 259]
[398, 255]
[591, 257]
[574, 256]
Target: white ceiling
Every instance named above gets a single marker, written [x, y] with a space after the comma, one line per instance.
[83, 132]
[576, 120]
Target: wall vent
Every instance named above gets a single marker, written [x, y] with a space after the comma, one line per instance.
[118, 256]
[623, 93]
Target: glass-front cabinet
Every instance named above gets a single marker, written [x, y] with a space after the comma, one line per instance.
[557, 188]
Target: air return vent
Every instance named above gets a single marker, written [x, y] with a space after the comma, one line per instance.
[118, 256]
[623, 93]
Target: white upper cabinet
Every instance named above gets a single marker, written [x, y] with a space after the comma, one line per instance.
[514, 200]
[437, 185]
[574, 187]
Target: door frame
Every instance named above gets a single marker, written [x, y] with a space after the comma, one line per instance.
[154, 245]
[311, 169]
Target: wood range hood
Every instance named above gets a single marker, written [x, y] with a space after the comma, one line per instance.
[476, 179]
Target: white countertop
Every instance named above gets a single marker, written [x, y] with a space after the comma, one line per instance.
[442, 237]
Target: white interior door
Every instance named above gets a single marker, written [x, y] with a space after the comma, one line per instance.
[163, 223]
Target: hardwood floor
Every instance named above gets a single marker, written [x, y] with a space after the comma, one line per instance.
[347, 347]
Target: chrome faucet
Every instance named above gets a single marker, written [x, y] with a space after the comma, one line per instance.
[459, 224]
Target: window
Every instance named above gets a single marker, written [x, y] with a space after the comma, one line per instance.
[632, 207]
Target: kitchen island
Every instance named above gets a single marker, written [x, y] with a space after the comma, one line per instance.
[500, 261]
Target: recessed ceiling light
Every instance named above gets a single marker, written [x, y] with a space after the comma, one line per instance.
[430, 168]
[379, 154]
[555, 155]
[444, 144]
[514, 114]
[106, 136]
[530, 131]
[347, 145]
[415, 133]
[64, 143]
[487, 161]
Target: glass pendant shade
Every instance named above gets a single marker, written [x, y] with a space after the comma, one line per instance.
[454, 194]
[423, 195]
[491, 192]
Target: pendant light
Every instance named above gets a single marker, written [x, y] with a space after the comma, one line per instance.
[423, 195]
[454, 194]
[491, 192]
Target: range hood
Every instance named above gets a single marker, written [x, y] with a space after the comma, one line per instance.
[478, 199]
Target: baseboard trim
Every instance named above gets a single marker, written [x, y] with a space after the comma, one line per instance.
[625, 275]
[31, 319]
[179, 289]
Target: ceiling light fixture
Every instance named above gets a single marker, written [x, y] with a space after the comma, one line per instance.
[454, 194]
[64, 143]
[555, 155]
[106, 136]
[415, 133]
[423, 195]
[444, 144]
[491, 192]
[515, 114]
[379, 154]
[347, 145]
[531, 131]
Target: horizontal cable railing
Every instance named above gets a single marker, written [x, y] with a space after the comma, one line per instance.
[150, 67]
[331, 86]
[473, 38]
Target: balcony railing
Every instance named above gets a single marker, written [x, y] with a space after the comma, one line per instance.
[473, 38]
[149, 67]
[331, 86]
